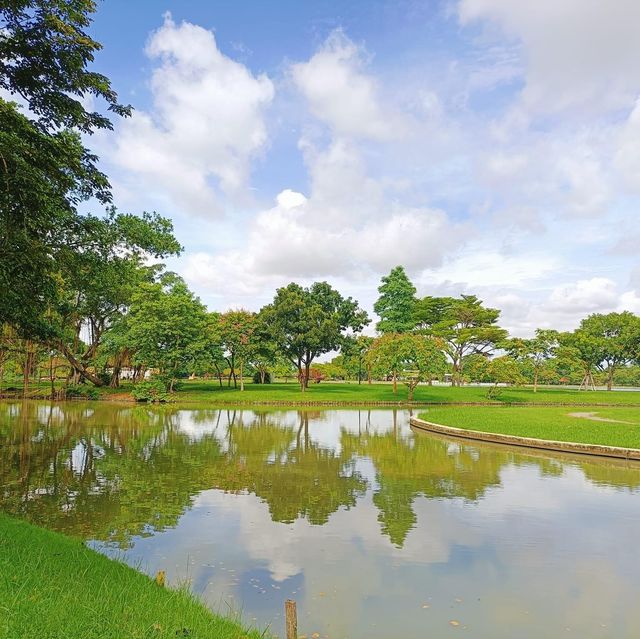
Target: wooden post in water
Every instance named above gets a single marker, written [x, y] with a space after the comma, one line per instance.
[291, 619]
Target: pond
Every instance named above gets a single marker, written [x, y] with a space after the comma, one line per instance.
[375, 530]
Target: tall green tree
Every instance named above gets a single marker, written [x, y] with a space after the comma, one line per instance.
[46, 170]
[396, 304]
[465, 327]
[168, 325]
[536, 351]
[236, 332]
[414, 358]
[307, 322]
[617, 336]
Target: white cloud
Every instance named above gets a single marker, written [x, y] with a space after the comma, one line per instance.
[206, 124]
[585, 296]
[344, 97]
[627, 159]
[578, 53]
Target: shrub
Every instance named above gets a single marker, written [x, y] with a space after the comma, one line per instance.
[153, 390]
[82, 392]
[257, 379]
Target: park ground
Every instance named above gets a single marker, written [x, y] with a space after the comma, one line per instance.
[52, 586]
[350, 393]
[610, 426]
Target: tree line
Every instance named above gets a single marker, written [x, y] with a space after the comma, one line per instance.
[82, 300]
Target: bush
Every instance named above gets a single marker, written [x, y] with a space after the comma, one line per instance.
[82, 391]
[153, 390]
[257, 379]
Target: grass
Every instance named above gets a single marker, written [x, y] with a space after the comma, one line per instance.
[352, 393]
[545, 423]
[52, 586]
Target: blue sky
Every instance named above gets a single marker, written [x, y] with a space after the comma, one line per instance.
[490, 146]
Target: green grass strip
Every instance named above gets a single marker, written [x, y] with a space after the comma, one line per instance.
[550, 423]
[54, 587]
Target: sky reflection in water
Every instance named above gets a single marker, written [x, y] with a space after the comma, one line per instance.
[375, 530]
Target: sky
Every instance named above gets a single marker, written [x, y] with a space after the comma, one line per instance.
[492, 147]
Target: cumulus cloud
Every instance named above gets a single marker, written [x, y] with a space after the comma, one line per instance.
[206, 124]
[342, 95]
[578, 53]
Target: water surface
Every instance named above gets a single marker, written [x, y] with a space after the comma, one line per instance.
[375, 530]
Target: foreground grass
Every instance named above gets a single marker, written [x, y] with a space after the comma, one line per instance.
[545, 423]
[352, 393]
[52, 586]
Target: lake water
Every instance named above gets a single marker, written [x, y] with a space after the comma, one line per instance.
[376, 531]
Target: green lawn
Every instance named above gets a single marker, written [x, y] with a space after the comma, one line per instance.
[352, 393]
[52, 586]
[544, 423]
[209, 392]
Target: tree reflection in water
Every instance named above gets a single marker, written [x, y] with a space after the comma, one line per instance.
[112, 472]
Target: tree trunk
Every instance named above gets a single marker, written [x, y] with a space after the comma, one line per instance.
[610, 378]
[78, 366]
[395, 383]
[535, 380]
[117, 368]
[241, 375]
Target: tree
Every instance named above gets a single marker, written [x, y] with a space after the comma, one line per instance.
[46, 171]
[307, 322]
[617, 336]
[464, 325]
[396, 303]
[581, 349]
[354, 352]
[536, 351]
[415, 358]
[101, 282]
[236, 333]
[503, 370]
[168, 326]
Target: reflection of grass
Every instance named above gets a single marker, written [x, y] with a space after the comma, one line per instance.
[53, 586]
[544, 423]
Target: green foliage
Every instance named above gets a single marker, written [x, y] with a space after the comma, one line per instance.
[396, 304]
[82, 391]
[463, 324]
[262, 378]
[414, 358]
[503, 370]
[307, 322]
[153, 390]
[167, 325]
[46, 171]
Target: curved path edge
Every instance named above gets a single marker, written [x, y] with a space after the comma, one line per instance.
[528, 442]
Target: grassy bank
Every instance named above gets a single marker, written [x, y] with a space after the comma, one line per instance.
[350, 393]
[551, 423]
[52, 586]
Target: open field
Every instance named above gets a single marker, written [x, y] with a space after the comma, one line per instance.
[618, 426]
[350, 393]
[52, 586]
